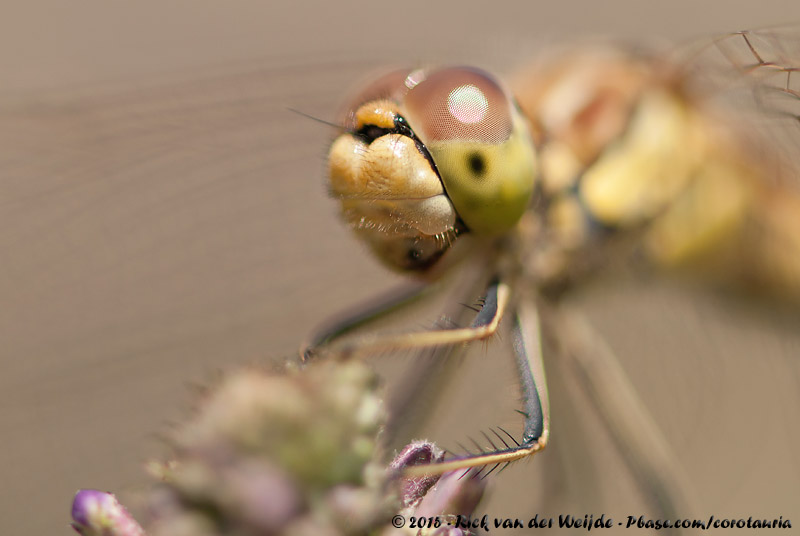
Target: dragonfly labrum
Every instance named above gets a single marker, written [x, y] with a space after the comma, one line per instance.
[600, 157]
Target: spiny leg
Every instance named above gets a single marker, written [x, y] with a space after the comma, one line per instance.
[422, 382]
[527, 350]
[536, 430]
[365, 314]
[528, 353]
[647, 452]
[484, 326]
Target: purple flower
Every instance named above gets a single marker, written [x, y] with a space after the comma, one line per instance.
[413, 489]
[97, 513]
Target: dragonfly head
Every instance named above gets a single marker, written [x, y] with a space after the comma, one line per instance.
[427, 156]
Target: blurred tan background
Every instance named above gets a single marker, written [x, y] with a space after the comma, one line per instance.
[162, 217]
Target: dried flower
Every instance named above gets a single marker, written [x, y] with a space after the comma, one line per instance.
[284, 453]
[292, 453]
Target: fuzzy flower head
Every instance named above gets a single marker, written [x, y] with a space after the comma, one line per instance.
[279, 453]
[290, 453]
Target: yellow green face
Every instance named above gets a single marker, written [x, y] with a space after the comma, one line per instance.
[428, 155]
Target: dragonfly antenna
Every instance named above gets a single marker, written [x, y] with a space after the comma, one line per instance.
[317, 119]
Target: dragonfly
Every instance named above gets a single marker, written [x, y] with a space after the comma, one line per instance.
[601, 157]
[144, 223]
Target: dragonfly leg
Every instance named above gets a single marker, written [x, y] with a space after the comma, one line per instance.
[363, 315]
[536, 408]
[484, 326]
[647, 452]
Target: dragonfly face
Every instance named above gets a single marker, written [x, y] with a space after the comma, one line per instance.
[428, 156]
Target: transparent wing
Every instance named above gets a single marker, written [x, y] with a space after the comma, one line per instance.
[770, 60]
[753, 73]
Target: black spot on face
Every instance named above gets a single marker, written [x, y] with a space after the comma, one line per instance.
[370, 133]
[476, 164]
[420, 257]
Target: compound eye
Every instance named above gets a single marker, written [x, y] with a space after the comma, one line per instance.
[459, 104]
[480, 145]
